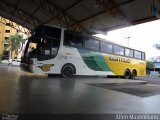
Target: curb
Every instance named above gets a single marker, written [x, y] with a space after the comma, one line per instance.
[120, 84]
[5, 65]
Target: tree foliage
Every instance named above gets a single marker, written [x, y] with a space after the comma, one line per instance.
[150, 65]
[15, 42]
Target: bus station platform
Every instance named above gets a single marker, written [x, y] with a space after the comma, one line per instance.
[25, 93]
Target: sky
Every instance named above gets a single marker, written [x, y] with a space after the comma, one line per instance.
[141, 37]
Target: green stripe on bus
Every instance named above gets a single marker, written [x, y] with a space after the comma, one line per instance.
[94, 60]
[101, 62]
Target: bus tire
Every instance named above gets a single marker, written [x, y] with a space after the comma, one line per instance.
[134, 74]
[67, 71]
[127, 74]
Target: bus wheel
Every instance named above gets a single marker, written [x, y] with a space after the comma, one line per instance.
[134, 74]
[127, 74]
[67, 71]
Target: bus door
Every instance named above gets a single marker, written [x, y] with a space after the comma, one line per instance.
[48, 49]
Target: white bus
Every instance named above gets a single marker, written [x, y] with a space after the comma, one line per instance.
[54, 50]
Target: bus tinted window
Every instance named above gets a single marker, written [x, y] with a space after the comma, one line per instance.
[137, 54]
[78, 41]
[46, 45]
[106, 47]
[95, 45]
[68, 39]
[88, 43]
[54, 48]
[128, 52]
[143, 56]
[118, 50]
[52, 32]
[72, 40]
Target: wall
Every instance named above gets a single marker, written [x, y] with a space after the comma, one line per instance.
[2, 27]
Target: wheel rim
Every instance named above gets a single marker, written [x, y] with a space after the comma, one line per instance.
[133, 74]
[68, 72]
[127, 75]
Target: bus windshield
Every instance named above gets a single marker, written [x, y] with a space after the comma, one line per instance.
[44, 43]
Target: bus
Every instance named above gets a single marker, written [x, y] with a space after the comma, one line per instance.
[55, 50]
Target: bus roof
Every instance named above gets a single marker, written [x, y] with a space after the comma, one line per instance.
[87, 35]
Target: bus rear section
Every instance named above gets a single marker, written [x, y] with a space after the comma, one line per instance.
[97, 57]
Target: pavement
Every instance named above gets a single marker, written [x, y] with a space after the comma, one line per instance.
[27, 93]
[150, 79]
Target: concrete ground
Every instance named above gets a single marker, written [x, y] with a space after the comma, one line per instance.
[150, 79]
[22, 92]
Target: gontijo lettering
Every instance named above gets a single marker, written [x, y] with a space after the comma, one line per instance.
[119, 59]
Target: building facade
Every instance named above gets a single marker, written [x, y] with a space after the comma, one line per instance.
[5, 32]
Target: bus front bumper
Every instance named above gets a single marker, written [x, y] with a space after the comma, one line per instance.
[25, 67]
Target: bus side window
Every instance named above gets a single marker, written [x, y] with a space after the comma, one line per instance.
[91, 44]
[47, 46]
[106, 47]
[95, 45]
[78, 40]
[143, 56]
[128, 52]
[72, 39]
[137, 54]
[118, 50]
[68, 39]
[54, 48]
[88, 43]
